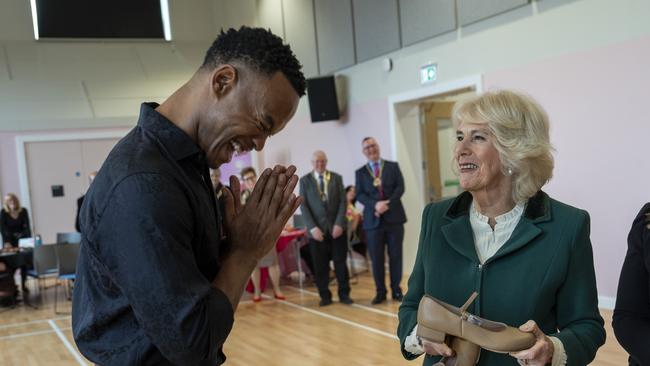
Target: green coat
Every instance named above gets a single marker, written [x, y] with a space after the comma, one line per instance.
[544, 272]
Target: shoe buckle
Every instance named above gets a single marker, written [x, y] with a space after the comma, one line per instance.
[474, 320]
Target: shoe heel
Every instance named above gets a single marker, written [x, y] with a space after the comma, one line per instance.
[431, 334]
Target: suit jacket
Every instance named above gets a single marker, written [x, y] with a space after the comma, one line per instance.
[314, 212]
[544, 272]
[393, 187]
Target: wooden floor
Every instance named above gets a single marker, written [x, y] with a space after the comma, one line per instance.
[292, 332]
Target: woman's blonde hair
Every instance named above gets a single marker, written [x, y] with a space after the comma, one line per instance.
[520, 129]
[11, 196]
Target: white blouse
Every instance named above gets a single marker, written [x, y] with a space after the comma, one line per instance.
[487, 243]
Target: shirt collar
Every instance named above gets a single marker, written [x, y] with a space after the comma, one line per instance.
[175, 140]
[508, 217]
[316, 174]
[372, 163]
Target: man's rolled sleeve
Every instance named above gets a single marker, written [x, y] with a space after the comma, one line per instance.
[145, 234]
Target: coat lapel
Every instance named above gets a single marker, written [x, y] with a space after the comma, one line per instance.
[524, 233]
[458, 234]
[537, 211]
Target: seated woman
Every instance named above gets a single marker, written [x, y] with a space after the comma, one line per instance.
[354, 216]
[527, 255]
[631, 320]
[14, 225]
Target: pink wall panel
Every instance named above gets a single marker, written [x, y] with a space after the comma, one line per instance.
[597, 104]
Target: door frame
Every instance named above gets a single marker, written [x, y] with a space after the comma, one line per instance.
[22, 140]
[472, 81]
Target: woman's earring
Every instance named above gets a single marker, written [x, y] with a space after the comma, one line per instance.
[509, 171]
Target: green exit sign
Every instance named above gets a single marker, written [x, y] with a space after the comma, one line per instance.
[428, 73]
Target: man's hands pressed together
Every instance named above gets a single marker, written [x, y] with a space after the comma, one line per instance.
[254, 228]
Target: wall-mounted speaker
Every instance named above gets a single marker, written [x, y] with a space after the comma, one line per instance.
[323, 105]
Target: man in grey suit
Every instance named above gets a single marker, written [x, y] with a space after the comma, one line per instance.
[323, 210]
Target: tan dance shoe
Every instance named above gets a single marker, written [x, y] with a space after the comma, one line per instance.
[466, 353]
[437, 319]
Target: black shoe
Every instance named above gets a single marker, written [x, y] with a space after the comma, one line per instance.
[398, 297]
[346, 300]
[379, 298]
[325, 302]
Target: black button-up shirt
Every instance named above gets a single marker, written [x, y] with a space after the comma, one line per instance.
[149, 251]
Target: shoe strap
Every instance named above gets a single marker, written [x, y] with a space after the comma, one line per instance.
[468, 302]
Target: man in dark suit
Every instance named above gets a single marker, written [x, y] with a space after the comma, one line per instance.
[323, 210]
[380, 186]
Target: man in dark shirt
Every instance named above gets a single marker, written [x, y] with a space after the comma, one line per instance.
[155, 283]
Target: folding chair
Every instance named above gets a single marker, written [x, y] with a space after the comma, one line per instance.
[67, 255]
[45, 265]
[70, 238]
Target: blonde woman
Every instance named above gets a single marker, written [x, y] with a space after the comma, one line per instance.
[527, 255]
[14, 225]
[14, 221]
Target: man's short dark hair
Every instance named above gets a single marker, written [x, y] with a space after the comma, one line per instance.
[247, 170]
[366, 139]
[258, 49]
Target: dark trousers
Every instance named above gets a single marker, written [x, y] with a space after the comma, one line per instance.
[321, 252]
[391, 236]
[305, 255]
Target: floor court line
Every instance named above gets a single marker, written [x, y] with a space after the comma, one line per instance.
[29, 334]
[4, 326]
[67, 344]
[336, 318]
[358, 306]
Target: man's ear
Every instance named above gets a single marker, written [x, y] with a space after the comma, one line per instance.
[224, 78]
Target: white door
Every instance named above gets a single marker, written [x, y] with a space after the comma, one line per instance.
[57, 172]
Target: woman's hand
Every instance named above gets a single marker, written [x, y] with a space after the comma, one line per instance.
[541, 353]
[437, 349]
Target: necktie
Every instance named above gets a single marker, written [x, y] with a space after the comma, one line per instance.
[321, 185]
[375, 169]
